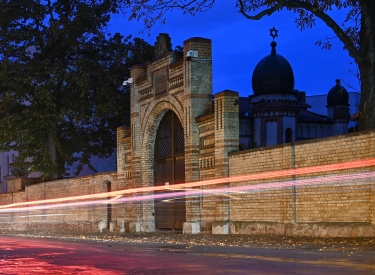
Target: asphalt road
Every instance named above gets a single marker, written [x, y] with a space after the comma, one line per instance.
[20, 255]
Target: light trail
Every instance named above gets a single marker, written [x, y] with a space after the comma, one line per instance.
[205, 192]
[42, 215]
[112, 199]
[184, 186]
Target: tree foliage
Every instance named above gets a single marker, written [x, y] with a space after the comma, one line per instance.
[20, 169]
[356, 32]
[61, 74]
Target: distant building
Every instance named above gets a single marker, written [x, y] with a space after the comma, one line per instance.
[6, 159]
[318, 104]
[277, 113]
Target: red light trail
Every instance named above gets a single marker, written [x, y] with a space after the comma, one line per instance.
[183, 186]
[195, 192]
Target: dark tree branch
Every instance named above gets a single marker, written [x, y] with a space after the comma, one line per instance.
[348, 42]
[260, 15]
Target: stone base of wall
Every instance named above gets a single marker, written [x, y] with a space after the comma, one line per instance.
[220, 228]
[51, 227]
[143, 226]
[323, 229]
[148, 226]
[191, 228]
[326, 230]
[206, 227]
[134, 227]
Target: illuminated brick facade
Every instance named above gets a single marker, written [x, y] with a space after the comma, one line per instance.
[215, 128]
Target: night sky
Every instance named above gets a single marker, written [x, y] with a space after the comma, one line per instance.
[239, 44]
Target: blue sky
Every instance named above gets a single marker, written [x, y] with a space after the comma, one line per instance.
[239, 44]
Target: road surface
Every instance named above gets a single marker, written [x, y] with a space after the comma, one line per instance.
[41, 256]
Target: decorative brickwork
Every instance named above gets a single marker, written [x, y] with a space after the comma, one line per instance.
[211, 141]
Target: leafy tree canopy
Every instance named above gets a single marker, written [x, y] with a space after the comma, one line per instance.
[61, 74]
[356, 32]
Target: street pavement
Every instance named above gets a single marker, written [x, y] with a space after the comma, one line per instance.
[174, 253]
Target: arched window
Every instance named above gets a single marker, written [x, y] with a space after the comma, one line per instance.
[247, 129]
[271, 133]
[300, 131]
[107, 214]
[321, 132]
[308, 131]
[314, 133]
[288, 135]
[329, 131]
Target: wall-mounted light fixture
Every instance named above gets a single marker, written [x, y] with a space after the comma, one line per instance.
[191, 54]
[129, 81]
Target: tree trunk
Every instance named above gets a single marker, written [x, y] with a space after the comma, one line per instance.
[367, 65]
[52, 151]
[367, 110]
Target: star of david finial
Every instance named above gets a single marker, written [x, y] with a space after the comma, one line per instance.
[273, 33]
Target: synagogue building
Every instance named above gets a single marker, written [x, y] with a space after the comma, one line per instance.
[181, 132]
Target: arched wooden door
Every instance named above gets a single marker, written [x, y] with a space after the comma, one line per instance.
[170, 213]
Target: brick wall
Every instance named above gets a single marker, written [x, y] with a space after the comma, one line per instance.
[343, 207]
[18, 184]
[70, 219]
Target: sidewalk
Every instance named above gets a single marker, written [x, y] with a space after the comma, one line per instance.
[176, 237]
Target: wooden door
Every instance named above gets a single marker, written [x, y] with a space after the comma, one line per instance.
[169, 168]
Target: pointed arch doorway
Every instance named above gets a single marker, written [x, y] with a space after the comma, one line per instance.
[169, 169]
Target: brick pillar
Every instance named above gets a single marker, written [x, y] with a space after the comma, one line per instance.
[121, 133]
[371, 151]
[226, 129]
[373, 201]
[198, 101]
[124, 174]
[136, 215]
[226, 140]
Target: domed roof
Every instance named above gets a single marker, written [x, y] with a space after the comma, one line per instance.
[273, 75]
[337, 95]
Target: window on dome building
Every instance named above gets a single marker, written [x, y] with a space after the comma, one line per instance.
[288, 135]
[314, 132]
[271, 133]
[300, 131]
[308, 131]
[329, 131]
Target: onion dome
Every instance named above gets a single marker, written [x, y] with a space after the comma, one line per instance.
[338, 95]
[273, 75]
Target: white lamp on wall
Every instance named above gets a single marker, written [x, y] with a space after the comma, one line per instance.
[129, 81]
